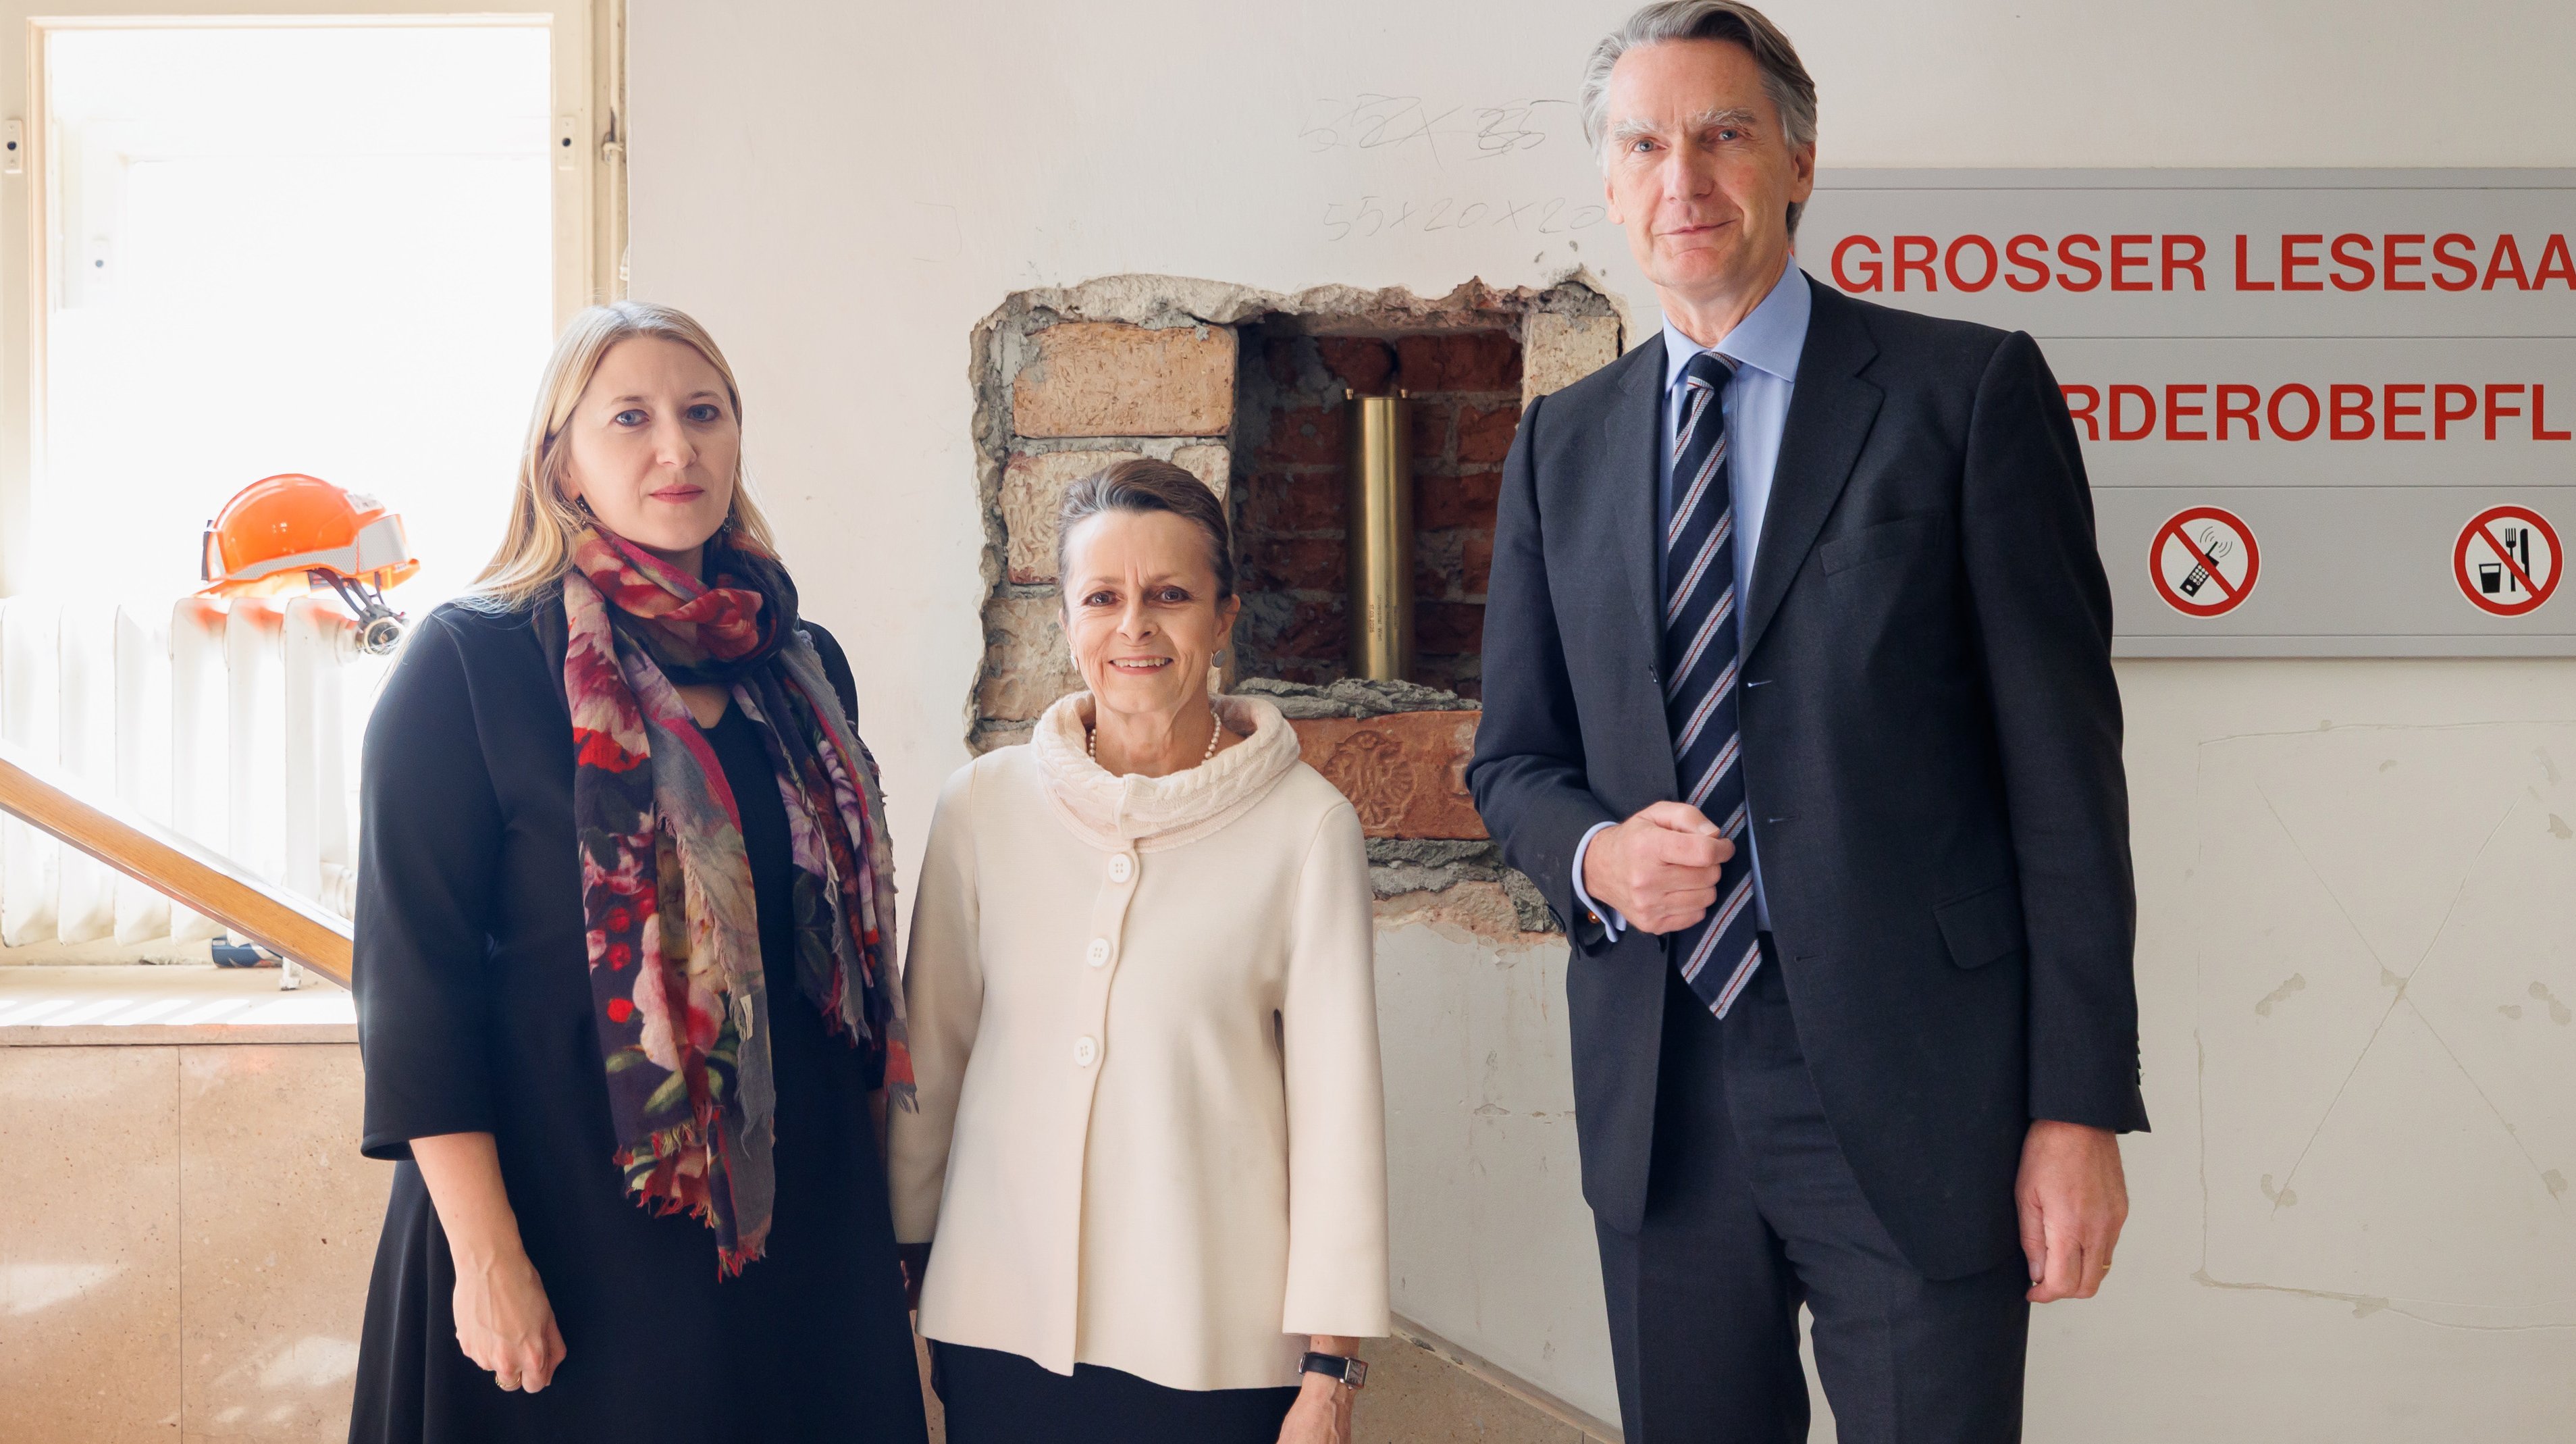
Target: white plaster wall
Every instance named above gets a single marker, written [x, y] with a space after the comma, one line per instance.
[1492, 1243]
[2346, 1225]
[842, 191]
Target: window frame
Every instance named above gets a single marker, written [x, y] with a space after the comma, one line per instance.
[585, 54]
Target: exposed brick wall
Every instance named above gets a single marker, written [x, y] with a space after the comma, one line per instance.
[1245, 388]
[1085, 395]
[1033, 488]
[1406, 772]
[1100, 378]
[1466, 392]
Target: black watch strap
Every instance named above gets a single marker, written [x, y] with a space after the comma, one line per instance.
[1352, 1372]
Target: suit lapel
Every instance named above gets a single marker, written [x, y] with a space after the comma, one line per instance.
[1629, 435]
[1829, 419]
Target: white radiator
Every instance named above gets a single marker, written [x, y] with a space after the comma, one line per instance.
[224, 720]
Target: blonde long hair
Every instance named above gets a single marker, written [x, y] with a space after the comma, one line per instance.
[537, 549]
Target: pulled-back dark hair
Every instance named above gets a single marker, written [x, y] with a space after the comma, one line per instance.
[1142, 485]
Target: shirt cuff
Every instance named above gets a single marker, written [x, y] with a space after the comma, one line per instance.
[1603, 913]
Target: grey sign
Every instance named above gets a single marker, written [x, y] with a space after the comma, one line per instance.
[2352, 365]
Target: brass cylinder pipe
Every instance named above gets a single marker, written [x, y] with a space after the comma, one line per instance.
[1381, 536]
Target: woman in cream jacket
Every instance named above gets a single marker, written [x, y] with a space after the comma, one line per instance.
[1150, 1140]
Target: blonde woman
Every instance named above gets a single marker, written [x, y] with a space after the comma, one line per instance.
[624, 961]
[1150, 1147]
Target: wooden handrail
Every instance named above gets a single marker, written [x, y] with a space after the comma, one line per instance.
[173, 866]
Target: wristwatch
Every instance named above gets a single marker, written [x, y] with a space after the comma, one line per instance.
[1352, 1372]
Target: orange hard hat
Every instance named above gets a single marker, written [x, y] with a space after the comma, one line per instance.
[277, 531]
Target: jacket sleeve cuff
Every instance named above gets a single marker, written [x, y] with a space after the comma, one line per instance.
[1542, 843]
[394, 1119]
[2110, 1105]
[1601, 915]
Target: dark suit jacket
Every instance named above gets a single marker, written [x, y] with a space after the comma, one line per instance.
[1931, 753]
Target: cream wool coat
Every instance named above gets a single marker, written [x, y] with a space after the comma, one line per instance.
[1151, 1132]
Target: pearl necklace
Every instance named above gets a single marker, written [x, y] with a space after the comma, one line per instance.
[1091, 737]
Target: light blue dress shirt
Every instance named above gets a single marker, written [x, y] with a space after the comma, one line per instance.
[1765, 346]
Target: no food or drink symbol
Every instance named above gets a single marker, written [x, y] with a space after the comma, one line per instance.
[2204, 561]
[2506, 560]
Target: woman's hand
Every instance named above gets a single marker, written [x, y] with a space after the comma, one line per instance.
[1321, 1415]
[504, 1323]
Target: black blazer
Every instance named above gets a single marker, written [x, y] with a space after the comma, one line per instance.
[1931, 753]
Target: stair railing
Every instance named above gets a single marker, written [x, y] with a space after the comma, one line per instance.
[57, 804]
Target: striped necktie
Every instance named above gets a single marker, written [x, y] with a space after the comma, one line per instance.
[1719, 952]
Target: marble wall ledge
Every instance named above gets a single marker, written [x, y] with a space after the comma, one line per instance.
[109, 1005]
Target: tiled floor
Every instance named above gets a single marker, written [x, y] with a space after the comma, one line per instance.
[1418, 1395]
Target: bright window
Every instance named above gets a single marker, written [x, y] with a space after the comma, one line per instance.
[329, 249]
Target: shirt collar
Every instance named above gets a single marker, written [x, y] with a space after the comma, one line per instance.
[1769, 340]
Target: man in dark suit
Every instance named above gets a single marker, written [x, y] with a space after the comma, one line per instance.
[1799, 708]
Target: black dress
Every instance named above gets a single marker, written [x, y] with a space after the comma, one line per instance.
[474, 1016]
[994, 1397]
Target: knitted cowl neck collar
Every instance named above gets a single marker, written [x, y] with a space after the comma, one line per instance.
[1151, 813]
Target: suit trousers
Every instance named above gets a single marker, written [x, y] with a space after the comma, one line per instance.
[1751, 1211]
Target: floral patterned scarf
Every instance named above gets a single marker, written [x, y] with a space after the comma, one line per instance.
[675, 965]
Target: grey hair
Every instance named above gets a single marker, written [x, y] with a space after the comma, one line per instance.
[1142, 484]
[1784, 78]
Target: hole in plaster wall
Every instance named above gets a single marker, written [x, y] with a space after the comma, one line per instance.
[1245, 388]
[1292, 486]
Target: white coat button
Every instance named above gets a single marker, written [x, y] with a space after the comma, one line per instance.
[1085, 1052]
[1098, 953]
[1121, 868]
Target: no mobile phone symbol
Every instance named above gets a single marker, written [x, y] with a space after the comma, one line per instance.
[2204, 561]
